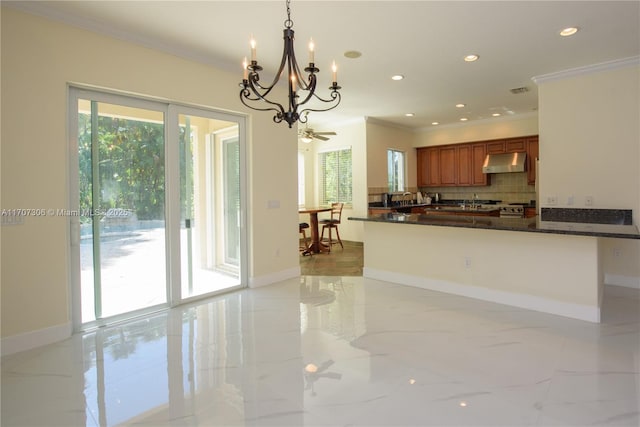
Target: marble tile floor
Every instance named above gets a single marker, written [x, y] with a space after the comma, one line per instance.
[337, 351]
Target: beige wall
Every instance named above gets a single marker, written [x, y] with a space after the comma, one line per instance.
[39, 59]
[519, 269]
[380, 138]
[348, 134]
[590, 146]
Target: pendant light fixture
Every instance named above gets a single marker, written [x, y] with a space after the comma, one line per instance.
[301, 88]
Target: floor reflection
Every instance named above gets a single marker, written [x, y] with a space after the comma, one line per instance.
[165, 366]
[327, 351]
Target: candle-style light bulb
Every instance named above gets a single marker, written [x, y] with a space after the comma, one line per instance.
[334, 68]
[252, 42]
[245, 74]
[311, 51]
[293, 83]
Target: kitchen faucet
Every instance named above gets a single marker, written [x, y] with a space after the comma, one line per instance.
[404, 198]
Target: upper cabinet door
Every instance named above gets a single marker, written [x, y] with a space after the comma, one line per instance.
[516, 145]
[495, 147]
[448, 167]
[428, 167]
[465, 165]
[478, 154]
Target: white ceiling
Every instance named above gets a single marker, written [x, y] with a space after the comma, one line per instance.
[423, 40]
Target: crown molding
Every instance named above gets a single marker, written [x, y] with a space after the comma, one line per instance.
[588, 69]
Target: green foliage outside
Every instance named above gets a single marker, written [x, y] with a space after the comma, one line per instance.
[337, 178]
[131, 166]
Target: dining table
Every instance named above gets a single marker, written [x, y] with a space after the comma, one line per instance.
[316, 245]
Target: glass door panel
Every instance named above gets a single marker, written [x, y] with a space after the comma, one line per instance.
[209, 205]
[121, 159]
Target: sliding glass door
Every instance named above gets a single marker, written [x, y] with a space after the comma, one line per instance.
[121, 177]
[155, 208]
[210, 222]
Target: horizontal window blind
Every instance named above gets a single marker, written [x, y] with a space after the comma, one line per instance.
[336, 184]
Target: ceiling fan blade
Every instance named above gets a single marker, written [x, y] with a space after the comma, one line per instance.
[321, 138]
[325, 133]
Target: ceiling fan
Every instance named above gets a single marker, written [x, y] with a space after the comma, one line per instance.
[307, 135]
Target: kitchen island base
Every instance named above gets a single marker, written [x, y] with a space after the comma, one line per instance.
[551, 273]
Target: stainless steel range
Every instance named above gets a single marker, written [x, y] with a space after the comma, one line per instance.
[511, 211]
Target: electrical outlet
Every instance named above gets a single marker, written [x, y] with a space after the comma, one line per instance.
[617, 252]
[569, 200]
[467, 262]
[552, 200]
[588, 201]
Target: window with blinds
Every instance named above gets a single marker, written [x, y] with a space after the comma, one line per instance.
[396, 170]
[336, 183]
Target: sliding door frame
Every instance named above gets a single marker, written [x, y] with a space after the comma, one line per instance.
[171, 112]
[173, 194]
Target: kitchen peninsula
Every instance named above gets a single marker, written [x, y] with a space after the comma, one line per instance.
[548, 266]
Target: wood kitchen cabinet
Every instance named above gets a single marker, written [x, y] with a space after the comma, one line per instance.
[428, 166]
[478, 154]
[461, 164]
[518, 145]
[532, 158]
[495, 147]
[464, 162]
[451, 165]
[448, 166]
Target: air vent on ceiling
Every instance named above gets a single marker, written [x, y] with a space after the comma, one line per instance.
[518, 90]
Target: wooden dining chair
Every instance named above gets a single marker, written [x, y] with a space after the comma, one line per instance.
[303, 226]
[332, 223]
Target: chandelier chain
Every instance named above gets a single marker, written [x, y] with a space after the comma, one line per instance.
[288, 23]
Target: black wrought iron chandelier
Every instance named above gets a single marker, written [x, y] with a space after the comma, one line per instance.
[301, 89]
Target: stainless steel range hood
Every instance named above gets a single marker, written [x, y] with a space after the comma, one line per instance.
[503, 163]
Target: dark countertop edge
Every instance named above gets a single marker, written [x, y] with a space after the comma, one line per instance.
[524, 225]
[439, 208]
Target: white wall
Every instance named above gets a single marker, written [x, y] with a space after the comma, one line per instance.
[590, 146]
[503, 127]
[39, 59]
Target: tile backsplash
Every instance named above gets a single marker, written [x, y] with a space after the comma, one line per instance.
[508, 187]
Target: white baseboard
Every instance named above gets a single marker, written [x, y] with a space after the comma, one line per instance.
[256, 282]
[33, 339]
[626, 281]
[529, 302]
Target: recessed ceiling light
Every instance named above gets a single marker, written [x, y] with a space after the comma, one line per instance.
[397, 77]
[461, 105]
[463, 119]
[569, 31]
[471, 58]
[410, 114]
[435, 123]
[496, 114]
[352, 54]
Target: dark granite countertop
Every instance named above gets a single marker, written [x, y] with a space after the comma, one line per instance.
[531, 225]
[448, 207]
